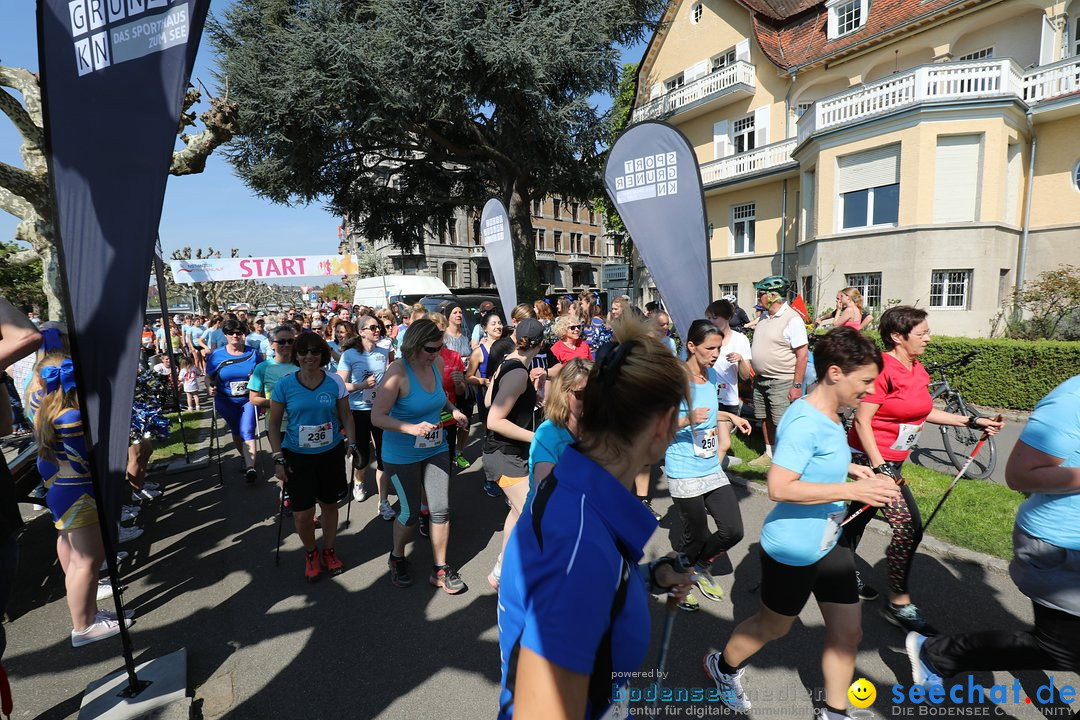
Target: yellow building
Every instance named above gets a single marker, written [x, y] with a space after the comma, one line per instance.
[926, 151]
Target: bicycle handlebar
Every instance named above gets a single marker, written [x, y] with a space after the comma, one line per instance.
[961, 361]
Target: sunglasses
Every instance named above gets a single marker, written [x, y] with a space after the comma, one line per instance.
[285, 342]
[235, 333]
[372, 328]
[306, 351]
[432, 350]
[579, 394]
[573, 327]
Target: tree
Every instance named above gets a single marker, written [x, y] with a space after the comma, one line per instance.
[335, 291]
[24, 192]
[20, 283]
[1050, 306]
[394, 112]
[219, 294]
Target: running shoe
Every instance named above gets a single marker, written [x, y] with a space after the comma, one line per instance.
[127, 534]
[866, 592]
[425, 523]
[921, 671]
[251, 475]
[386, 510]
[101, 628]
[126, 515]
[495, 575]
[133, 509]
[492, 488]
[908, 618]
[332, 562]
[104, 590]
[690, 603]
[447, 578]
[399, 571]
[461, 462]
[312, 569]
[359, 492]
[762, 461]
[648, 504]
[144, 494]
[110, 615]
[707, 584]
[151, 485]
[730, 686]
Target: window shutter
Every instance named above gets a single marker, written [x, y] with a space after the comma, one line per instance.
[761, 126]
[695, 71]
[742, 50]
[721, 140]
[1046, 42]
[873, 168]
[956, 178]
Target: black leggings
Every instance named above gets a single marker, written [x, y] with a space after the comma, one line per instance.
[366, 434]
[906, 524]
[698, 544]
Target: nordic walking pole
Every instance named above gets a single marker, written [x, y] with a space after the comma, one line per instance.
[864, 508]
[960, 474]
[352, 484]
[215, 444]
[683, 564]
[280, 521]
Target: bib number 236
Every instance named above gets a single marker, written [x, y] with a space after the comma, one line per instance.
[315, 436]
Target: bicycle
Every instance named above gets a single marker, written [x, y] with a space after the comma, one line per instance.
[960, 441]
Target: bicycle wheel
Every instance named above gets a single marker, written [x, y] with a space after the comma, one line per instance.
[961, 441]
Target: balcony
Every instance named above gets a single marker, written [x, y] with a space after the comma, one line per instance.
[724, 86]
[476, 251]
[545, 256]
[759, 160]
[1052, 81]
[577, 258]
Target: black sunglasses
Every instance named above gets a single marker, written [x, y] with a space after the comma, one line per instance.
[573, 327]
[306, 351]
[432, 350]
[234, 332]
[374, 328]
[285, 342]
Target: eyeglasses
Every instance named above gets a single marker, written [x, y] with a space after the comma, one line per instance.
[306, 351]
[579, 394]
[432, 350]
[372, 328]
[573, 327]
[285, 342]
[233, 333]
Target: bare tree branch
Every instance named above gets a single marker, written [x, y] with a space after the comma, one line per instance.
[20, 118]
[220, 122]
[26, 83]
[21, 183]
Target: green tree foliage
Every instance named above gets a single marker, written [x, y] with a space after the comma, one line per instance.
[622, 107]
[20, 283]
[1050, 307]
[334, 291]
[393, 112]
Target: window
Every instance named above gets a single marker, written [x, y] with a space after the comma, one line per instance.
[869, 284]
[957, 178]
[449, 274]
[574, 207]
[476, 231]
[592, 215]
[451, 227]
[558, 241]
[483, 277]
[575, 243]
[846, 17]
[722, 60]
[742, 229]
[950, 289]
[556, 206]
[442, 232]
[1076, 175]
[592, 245]
[808, 288]
[744, 134]
[983, 54]
[674, 83]
[696, 13]
[538, 208]
[541, 242]
[729, 289]
[869, 187]
[801, 108]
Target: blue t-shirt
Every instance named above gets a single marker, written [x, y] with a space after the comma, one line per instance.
[1054, 429]
[557, 601]
[815, 446]
[548, 443]
[360, 364]
[232, 380]
[194, 333]
[258, 341]
[313, 423]
[693, 452]
[215, 338]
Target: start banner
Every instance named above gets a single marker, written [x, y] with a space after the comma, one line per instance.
[262, 268]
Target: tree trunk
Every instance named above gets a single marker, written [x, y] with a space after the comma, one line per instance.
[51, 283]
[526, 272]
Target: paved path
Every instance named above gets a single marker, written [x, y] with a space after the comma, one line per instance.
[263, 643]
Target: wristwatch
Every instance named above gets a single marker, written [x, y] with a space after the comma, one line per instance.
[797, 386]
[973, 423]
[279, 461]
[884, 469]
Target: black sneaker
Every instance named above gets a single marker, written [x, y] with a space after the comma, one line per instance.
[866, 592]
[399, 571]
[251, 475]
[648, 504]
[909, 618]
[425, 524]
[447, 578]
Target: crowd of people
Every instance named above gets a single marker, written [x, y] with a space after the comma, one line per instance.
[573, 407]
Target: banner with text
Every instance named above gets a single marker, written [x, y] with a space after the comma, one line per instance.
[264, 268]
[113, 78]
[652, 177]
[499, 247]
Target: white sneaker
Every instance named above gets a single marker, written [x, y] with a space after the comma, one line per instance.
[386, 511]
[104, 590]
[102, 628]
[127, 534]
[359, 492]
[730, 686]
[110, 615]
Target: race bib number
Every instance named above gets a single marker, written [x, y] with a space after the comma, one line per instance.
[316, 436]
[705, 443]
[906, 437]
[367, 396]
[238, 388]
[431, 439]
[832, 529]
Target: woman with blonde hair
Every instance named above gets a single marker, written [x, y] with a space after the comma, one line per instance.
[849, 310]
[562, 411]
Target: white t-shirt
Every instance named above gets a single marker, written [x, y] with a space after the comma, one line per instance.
[728, 387]
[795, 331]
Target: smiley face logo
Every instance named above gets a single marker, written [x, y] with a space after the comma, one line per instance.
[862, 693]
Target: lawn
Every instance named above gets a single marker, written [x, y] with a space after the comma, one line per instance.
[173, 447]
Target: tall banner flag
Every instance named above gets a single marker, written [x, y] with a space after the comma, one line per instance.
[495, 229]
[652, 177]
[113, 76]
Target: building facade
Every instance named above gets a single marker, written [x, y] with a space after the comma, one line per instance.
[925, 151]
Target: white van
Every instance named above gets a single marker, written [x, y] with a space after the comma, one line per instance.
[382, 291]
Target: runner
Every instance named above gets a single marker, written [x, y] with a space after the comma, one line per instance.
[800, 554]
[511, 421]
[479, 375]
[408, 407]
[732, 365]
[267, 374]
[698, 486]
[362, 365]
[572, 616]
[562, 410]
[456, 339]
[310, 460]
[887, 425]
[228, 370]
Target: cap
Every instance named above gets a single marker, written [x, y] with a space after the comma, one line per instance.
[531, 329]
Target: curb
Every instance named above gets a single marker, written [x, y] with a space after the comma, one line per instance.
[929, 544]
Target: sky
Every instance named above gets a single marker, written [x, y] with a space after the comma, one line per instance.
[213, 208]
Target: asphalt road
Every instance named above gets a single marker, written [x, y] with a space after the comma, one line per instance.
[263, 643]
[930, 450]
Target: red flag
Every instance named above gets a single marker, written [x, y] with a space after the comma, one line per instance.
[800, 307]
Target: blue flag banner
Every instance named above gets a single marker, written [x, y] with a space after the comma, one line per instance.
[495, 229]
[652, 177]
[113, 76]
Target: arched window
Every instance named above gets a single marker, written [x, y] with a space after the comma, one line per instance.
[695, 13]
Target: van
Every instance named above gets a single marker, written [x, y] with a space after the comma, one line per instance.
[384, 290]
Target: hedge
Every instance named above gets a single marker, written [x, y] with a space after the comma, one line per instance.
[1013, 374]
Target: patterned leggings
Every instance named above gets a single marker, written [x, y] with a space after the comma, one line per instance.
[906, 524]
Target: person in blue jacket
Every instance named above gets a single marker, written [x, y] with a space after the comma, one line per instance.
[228, 370]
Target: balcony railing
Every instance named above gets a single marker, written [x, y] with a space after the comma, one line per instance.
[766, 157]
[704, 88]
[578, 258]
[1050, 81]
[545, 255]
[476, 250]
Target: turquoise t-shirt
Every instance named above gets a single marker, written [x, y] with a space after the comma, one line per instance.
[313, 425]
[267, 374]
[360, 365]
[1054, 429]
[815, 446]
[693, 452]
[548, 443]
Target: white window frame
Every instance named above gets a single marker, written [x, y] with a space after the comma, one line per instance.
[869, 284]
[870, 225]
[542, 238]
[986, 53]
[557, 240]
[1076, 176]
[743, 127]
[449, 272]
[946, 280]
[839, 10]
[745, 215]
[801, 108]
[674, 83]
[696, 12]
[723, 60]
[729, 289]
[538, 208]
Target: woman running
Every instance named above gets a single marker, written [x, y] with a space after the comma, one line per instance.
[343, 330]
[362, 366]
[562, 410]
[457, 340]
[697, 483]
[800, 552]
[732, 366]
[310, 458]
[228, 370]
[511, 420]
[408, 408]
[887, 425]
[572, 614]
